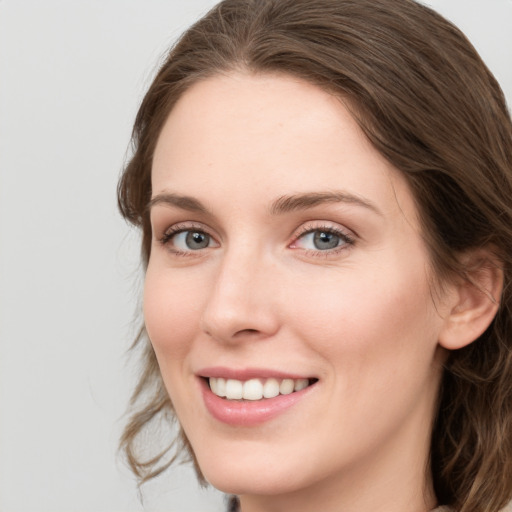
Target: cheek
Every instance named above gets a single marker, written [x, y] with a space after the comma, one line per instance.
[382, 317]
[378, 335]
[171, 312]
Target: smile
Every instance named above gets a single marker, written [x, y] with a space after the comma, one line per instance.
[248, 398]
[255, 389]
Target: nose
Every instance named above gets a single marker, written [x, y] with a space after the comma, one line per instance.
[242, 303]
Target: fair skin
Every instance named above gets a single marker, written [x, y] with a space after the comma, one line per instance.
[332, 285]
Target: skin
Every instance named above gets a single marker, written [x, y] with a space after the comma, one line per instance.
[360, 317]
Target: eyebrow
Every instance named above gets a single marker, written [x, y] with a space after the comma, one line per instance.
[281, 205]
[184, 202]
[297, 202]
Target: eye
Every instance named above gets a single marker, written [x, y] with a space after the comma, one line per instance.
[322, 239]
[191, 240]
[181, 240]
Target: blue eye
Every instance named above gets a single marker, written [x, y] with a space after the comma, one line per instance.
[190, 240]
[322, 240]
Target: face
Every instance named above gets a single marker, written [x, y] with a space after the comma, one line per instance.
[288, 275]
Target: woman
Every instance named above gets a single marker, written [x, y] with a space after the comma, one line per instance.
[324, 193]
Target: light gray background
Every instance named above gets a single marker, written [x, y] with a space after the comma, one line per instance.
[71, 76]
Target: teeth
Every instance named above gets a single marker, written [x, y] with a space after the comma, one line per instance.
[214, 386]
[234, 389]
[271, 388]
[286, 386]
[255, 389]
[221, 387]
[218, 386]
[300, 384]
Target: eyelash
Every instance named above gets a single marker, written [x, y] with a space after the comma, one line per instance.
[347, 239]
[172, 231]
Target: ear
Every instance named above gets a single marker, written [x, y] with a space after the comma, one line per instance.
[474, 301]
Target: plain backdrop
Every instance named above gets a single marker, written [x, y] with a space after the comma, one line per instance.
[72, 74]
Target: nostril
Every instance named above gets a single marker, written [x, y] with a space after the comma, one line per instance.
[227, 323]
[246, 333]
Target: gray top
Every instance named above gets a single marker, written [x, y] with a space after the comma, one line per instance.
[234, 506]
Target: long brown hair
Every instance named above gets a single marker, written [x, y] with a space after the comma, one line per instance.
[428, 103]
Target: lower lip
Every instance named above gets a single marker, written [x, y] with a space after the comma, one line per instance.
[249, 412]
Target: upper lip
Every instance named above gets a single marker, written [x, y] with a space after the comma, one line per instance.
[244, 374]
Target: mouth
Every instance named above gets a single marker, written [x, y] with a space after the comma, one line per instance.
[256, 389]
[252, 396]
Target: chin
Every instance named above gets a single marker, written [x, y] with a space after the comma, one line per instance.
[257, 473]
[252, 483]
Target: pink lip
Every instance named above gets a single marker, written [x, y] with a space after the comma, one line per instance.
[248, 413]
[247, 373]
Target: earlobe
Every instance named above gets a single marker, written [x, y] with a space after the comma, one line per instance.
[475, 301]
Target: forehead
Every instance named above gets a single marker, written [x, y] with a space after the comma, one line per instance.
[269, 135]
